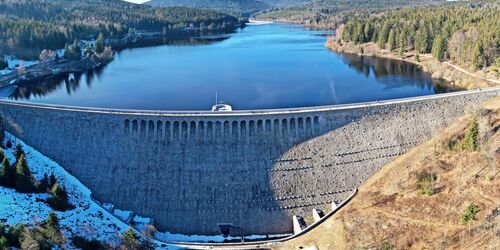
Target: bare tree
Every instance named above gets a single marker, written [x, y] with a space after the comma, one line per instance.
[47, 55]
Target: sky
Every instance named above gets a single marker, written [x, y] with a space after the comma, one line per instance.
[136, 1]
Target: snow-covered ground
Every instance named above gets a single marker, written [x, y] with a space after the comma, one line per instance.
[88, 218]
[14, 63]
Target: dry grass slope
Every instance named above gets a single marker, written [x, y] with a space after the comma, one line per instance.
[418, 200]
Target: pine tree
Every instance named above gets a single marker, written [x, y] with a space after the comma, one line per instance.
[52, 180]
[130, 240]
[359, 36]
[367, 32]
[68, 53]
[52, 222]
[7, 174]
[2, 132]
[24, 178]
[477, 55]
[77, 52]
[59, 198]
[438, 48]
[382, 35]
[18, 151]
[44, 183]
[402, 44]
[99, 44]
[2, 155]
[422, 40]
[391, 40]
[3, 63]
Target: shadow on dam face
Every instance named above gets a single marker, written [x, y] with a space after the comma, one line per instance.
[190, 172]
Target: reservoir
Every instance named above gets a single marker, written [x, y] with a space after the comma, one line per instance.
[259, 67]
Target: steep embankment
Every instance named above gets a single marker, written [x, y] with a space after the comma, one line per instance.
[420, 200]
[440, 70]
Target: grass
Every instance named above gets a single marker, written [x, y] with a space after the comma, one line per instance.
[425, 182]
[470, 213]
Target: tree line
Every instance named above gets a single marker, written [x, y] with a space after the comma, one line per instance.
[48, 235]
[28, 26]
[328, 14]
[465, 35]
[20, 177]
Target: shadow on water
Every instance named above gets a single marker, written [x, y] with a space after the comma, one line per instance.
[71, 83]
[387, 71]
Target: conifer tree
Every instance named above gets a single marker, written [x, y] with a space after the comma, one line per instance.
[24, 178]
[402, 44]
[2, 132]
[391, 40]
[7, 174]
[59, 198]
[382, 36]
[438, 48]
[18, 151]
[2, 155]
[130, 240]
[44, 183]
[99, 44]
[52, 180]
[52, 222]
[477, 55]
[3, 63]
[77, 51]
[422, 40]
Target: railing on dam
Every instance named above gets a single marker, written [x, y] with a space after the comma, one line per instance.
[242, 113]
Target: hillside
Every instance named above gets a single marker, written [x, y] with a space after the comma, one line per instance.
[285, 3]
[441, 195]
[327, 14]
[460, 36]
[52, 24]
[231, 6]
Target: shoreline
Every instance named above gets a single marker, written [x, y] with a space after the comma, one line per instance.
[452, 75]
[54, 69]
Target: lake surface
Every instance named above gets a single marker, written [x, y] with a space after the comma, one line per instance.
[258, 67]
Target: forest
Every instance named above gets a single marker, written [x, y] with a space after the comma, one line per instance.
[50, 24]
[244, 7]
[327, 14]
[465, 35]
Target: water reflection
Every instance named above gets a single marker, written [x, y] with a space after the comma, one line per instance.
[389, 71]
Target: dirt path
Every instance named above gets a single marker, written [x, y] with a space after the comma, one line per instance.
[472, 74]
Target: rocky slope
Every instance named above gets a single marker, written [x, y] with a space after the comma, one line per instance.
[426, 198]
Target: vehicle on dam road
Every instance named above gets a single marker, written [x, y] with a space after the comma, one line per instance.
[220, 106]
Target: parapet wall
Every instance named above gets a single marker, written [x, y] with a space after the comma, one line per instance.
[192, 170]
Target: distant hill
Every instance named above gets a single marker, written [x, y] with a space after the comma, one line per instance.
[234, 6]
[285, 3]
[28, 26]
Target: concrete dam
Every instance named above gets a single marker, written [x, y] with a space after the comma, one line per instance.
[256, 169]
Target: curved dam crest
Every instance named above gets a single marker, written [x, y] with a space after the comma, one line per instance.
[255, 169]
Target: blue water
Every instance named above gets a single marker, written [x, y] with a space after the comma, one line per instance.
[267, 66]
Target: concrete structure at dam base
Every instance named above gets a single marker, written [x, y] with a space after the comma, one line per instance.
[190, 171]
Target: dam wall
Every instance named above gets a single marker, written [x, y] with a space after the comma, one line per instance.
[256, 169]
